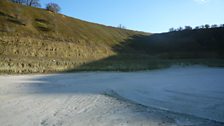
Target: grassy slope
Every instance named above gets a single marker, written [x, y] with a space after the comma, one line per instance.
[203, 46]
[35, 40]
[41, 23]
[201, 43]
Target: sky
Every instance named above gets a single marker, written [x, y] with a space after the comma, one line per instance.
[153, 16]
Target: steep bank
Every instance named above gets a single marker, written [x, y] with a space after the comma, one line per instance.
[36, 40]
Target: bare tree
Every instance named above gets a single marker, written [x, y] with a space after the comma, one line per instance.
[18, 1]
[180, 29]
[33, 3]
[121, 26]
[53, 7]
[202, 27]
[171, 30]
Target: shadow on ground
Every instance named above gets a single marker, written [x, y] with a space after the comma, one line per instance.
[145, 52]
[142, 52]
[136, 53]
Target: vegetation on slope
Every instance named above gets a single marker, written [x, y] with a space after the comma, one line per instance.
[34, 40]
[202, 46]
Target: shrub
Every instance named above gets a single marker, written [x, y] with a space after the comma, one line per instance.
[207, 26]
[214, 26]
[53, 7]
[188, 28]
[44, 25]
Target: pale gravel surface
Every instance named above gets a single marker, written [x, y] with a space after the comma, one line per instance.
[190, 96]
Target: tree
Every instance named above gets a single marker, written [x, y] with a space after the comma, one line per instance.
[180, 29]
[171, 29]
[188, 28]
[222, 25]
[121, 26]
[53, 7]
[214, 26]
[207, 26]
[18, 1]
[197, 27]
[33, 3]
[202, 27]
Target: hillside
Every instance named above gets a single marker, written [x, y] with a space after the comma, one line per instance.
[200, 43]
[34, 40]
[188, 47]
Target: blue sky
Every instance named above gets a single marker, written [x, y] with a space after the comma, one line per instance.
[145, 15]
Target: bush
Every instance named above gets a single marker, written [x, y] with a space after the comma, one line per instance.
[53, 7]
[43, 25]
[18, 21]
[188, 28]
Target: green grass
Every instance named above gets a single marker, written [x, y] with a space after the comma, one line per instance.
[65, 27]
[43, 25]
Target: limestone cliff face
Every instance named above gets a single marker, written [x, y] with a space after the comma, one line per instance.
[27, 55]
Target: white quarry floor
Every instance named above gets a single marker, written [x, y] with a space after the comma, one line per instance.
[192, 96]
